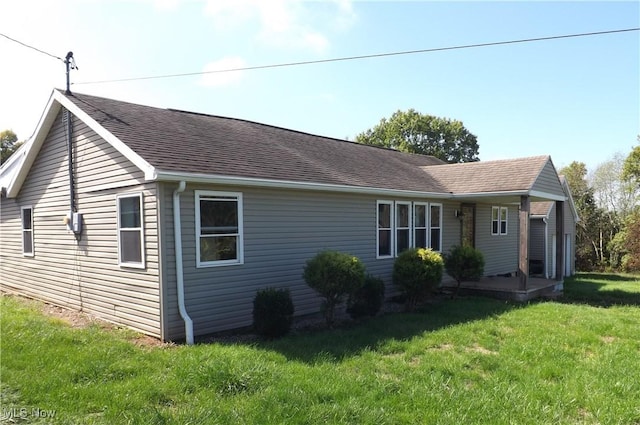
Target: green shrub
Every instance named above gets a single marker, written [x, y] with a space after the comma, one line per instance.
[464, 263]
[367, 300]
[334, 275]
[417, 272]
[272, 312]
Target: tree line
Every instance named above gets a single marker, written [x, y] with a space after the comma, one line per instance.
[608, 204]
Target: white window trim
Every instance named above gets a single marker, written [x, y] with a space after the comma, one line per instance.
[392, 232]
[434, 204]
[500, 221]
[131, 264]
[22, 230]
[239, 202]
[427, 222]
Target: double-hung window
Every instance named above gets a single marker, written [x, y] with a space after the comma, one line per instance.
[26, 217]
[403, 224]
[130, 230]
[384, 236]
[420, 215]
[499, 217]
[218, 228]
[435, 225]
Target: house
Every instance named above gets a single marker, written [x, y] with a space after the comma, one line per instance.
[168, 222]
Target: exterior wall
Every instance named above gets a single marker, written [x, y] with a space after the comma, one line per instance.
[500, 251]
[551, 246]
[536, 240]
[82, 273]
[282, 230]
[570, 230]
[548, 181]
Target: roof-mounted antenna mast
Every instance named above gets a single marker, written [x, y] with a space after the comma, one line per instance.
[70, 63]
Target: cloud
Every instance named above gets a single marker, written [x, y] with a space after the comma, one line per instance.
[284, 24]
[217, 79]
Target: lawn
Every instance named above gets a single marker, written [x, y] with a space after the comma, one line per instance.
[468, 361]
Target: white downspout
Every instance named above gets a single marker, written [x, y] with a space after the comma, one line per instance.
[177, 236]
[546, 247]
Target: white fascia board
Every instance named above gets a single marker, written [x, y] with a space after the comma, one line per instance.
[491, 194]
[33, 146]
[148, 170]
[549, 196]
[287, 184]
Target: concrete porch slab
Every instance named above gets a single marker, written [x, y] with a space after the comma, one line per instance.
[507, 288]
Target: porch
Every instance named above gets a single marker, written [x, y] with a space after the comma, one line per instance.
[508, 288]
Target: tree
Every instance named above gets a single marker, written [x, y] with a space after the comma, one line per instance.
[612, 192]
[631, 167]
[413, 132]
[590, 231]
[8, 144]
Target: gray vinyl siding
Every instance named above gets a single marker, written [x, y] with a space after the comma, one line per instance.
[570, 229]
[548, 181]
[551, 248]
[536, 240]
[282, 230]
[82, 274]
[500, 251]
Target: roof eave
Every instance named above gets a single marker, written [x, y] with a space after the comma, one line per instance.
[168, 176]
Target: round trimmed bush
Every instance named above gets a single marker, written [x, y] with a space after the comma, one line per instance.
[464, 263]
[272, 312]
[367, 300]
[417, 272]
[333, 275]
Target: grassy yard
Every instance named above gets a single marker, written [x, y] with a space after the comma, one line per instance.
[468, 361]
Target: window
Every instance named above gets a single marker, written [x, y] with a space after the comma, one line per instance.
[384, 236]
[218, 228]
[436, 227]
[26, 215]
[499, 220]
[130, 230]
[403, 226]
[420, 225]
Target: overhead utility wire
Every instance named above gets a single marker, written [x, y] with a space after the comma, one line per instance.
[349, 58]
[31, 47]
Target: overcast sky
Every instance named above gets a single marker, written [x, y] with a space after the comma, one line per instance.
[572, 98]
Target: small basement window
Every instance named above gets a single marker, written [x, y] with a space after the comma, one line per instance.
[130, 231]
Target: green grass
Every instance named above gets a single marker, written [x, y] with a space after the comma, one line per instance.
[468, 361]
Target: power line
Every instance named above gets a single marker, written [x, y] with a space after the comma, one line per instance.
[376, 55]
[31, 47]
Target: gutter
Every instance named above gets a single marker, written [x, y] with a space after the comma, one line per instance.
[177, 237]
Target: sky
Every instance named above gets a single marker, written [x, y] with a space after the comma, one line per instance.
[576, 99]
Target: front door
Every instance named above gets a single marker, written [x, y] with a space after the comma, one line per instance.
[468, 220]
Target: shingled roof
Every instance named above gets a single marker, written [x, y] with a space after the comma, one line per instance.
[176, 145]
[186, 142]
[489, 176]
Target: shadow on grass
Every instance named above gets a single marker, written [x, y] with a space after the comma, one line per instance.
[594, 289]
[370, 334]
